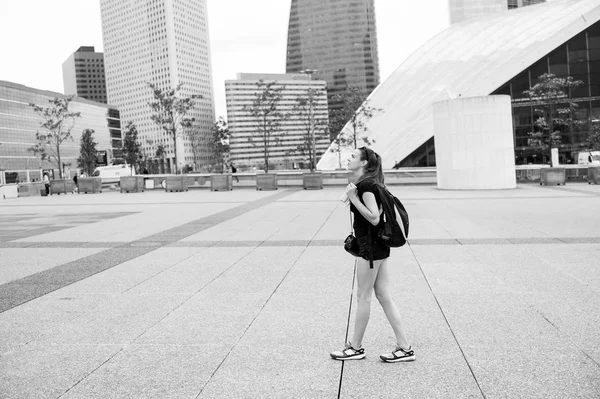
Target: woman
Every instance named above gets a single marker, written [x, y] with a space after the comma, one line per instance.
[366, 165]
[47, 183]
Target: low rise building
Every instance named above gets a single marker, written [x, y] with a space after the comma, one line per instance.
[19, 124]
[246, 146]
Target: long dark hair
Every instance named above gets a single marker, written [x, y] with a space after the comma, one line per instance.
[373, 169]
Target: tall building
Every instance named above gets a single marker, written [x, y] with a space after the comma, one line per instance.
[292, 132]
[507, 53]
[19, 123]
[461, 10]
[83, 75]
[164, 42]
[339, 40]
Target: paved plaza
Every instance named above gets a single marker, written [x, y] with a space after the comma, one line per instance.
[243, 294]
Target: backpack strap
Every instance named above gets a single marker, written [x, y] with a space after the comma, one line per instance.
[351, 224]
[370, 240]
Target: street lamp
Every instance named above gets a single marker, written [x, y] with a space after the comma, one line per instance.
[311, 132]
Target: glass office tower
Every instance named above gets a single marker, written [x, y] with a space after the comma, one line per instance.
[339, 40]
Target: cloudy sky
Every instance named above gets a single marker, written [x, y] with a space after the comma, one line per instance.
[37, 36]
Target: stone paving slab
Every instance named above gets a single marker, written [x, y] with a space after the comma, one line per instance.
[24, 263]
[48, 371]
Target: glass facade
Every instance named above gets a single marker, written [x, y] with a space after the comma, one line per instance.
[19, 124]
[337, 38]
[579, 58]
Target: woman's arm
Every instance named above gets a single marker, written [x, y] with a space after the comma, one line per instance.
[369, 209]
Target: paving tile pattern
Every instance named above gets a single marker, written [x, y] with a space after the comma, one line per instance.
[243, 294]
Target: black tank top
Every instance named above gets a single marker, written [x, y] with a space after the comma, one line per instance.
[361, 225]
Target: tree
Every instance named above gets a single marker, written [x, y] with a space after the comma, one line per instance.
[267, 118]
[337, 144]
[87, 152]
[549, 96]
[594, 138]
[131, 146]
[194, 136]
[314, 125]
[220, 143]
[58, 120]
[160, 154]
[170, 109]
[356, 112]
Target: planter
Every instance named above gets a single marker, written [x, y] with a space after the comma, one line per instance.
[132, 184]
[553, 176]
[61, 186]
[312, 181]
[221, 182]
[594, 175]
[89, 185]
[266, 182]
[31, 189]
[176, 183]
[9, 191]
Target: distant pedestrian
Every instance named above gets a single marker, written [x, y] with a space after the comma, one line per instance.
[75, 186]
[234, 170]
[47, 183]
[366, 207]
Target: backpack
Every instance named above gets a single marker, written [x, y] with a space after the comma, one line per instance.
[392, 234]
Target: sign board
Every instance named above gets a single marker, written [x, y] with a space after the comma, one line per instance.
[101, 158]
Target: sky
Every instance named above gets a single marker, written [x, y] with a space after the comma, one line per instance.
[37, 36]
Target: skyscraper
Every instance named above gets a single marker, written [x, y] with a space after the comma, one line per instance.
[83, 74]
[164, 42]
[461, 10]
[339, 40]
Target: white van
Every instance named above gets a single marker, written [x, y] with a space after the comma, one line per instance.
[584, 158]
[112, 173]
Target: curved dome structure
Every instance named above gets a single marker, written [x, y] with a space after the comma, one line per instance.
[473, 58]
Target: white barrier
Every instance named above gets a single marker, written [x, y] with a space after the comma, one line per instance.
[9, 191]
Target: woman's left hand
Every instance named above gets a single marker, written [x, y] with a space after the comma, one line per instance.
[351, 191]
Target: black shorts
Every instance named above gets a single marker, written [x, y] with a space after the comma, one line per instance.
[380, 251]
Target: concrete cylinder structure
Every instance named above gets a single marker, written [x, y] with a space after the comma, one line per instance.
[474, 146]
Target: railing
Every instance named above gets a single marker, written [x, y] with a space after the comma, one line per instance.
[293, 178]
[531, 173]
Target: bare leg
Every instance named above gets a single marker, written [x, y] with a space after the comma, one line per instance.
[365, 279]
[384, 296]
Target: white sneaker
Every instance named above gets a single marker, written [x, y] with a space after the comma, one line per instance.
[349, 353]
[399, 355]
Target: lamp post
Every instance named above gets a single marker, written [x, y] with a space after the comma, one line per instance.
[311, 128]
